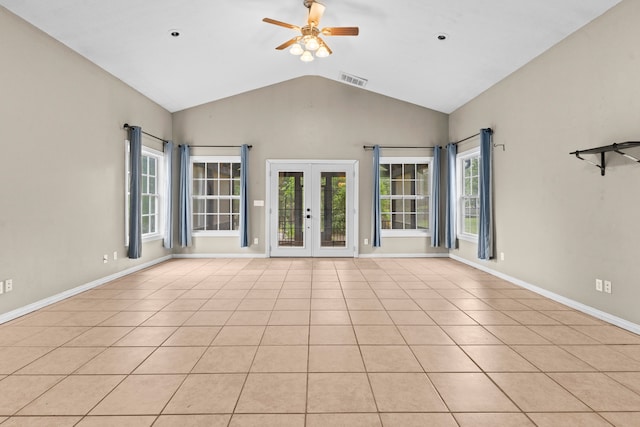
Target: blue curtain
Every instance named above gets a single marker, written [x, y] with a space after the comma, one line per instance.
[377, 218]
[244, 196]
[485, 226]
[184, 204]
[135, 203]
[168, 202]
[434, 218]
[451, 199]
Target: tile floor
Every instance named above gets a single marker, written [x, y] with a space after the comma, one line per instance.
[315, 342]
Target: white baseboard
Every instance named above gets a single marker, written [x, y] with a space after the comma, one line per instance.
[610, 318]
[18, 312]
[380, 255]
[223, 256]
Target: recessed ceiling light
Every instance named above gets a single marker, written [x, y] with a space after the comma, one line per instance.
[442, 36]
[174, 33]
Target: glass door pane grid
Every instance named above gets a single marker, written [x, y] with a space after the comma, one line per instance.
[333, 209]
[291, 209]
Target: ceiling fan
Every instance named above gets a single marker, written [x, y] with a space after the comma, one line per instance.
[309, 40]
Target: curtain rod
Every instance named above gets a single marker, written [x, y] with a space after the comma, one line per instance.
[215, 146]
[466, 139]
[370, 147]
[127, 126]
[472, 136]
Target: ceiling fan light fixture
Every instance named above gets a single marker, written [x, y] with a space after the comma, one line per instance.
[296, 49]
[308, 44]
[311, 43]
[306, 56]
[322, 52]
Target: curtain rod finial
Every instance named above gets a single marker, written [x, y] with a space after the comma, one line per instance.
[126, 126]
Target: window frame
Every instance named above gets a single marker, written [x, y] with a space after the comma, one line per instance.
[160, 192]
[215, 233]
[460, 159]
[411, 160]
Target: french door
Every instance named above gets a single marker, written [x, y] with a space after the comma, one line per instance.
[312, 209]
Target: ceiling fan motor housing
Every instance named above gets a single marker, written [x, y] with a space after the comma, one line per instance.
[308, 3]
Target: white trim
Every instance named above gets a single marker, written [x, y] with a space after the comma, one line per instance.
[216, 233]
[421, 232]
[152, 237]
[127, 163]
[610, 318]
[218, 256]
[468, 238]
[356, 208]
[214, 159]
[153, 152]
[430, 255]
[315, 162]
[18, 312]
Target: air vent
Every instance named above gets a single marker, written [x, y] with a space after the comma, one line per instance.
[353, 80]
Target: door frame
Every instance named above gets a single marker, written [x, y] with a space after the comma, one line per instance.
[268, 197]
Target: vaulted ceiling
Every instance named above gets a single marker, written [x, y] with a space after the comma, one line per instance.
[224, 48]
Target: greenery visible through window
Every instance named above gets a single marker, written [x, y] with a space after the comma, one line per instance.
[469, 193]
[216, 195]
[404, 194]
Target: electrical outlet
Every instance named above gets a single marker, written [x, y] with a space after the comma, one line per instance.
[607, 286]
[8, 285]
[105, 258]
[1, 288]
[599, 285]
[501, 256]
[115, 255]
[255, 240]
[366, 242]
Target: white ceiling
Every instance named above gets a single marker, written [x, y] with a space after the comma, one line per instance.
[225, 48]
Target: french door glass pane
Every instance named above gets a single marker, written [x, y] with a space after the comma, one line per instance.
[291, 209]
[333, 192]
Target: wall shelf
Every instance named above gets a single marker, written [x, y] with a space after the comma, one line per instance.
[606, 149]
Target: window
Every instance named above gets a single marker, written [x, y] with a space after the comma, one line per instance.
[150, 196]
[151, 189]
[216, 195]
[468, 170]
[404, 195]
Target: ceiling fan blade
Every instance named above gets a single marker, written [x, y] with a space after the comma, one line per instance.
[288, 43]
[340, 31]
[323, 43]
[316, 10]
[280, 23]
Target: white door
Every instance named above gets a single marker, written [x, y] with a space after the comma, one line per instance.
[312, 209]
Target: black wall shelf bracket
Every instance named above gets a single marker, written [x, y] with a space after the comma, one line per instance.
[605, 149]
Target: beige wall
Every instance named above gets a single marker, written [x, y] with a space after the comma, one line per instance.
[560, 224]
[309, 118]
[62, 165]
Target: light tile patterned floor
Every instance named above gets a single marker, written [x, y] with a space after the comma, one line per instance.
[315, 342]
